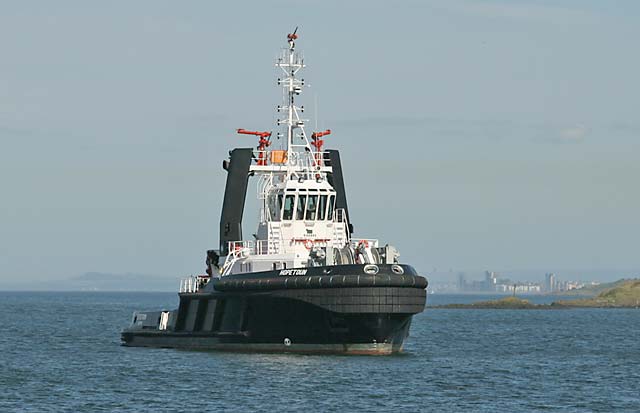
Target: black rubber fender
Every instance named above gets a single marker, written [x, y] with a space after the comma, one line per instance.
[320, 281]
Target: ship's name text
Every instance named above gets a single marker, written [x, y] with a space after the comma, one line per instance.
[293, 272]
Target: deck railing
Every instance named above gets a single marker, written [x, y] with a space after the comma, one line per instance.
[256, 247]
[299, 159]
[193, 284]
[366, 242]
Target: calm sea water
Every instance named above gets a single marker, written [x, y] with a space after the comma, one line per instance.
[61, 352]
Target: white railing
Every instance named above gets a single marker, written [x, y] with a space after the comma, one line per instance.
[193, 284]
[366, 242]
[264, 183]
[188, 285]
[255, 247]
[237, 251]
[340, 216]
[293, 158]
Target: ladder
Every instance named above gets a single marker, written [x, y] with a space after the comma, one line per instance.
[274, 238]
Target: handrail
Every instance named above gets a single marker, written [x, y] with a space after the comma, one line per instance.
[340, 215]
[367, 242]
[192, 284]
[299, 159]
[257, 247]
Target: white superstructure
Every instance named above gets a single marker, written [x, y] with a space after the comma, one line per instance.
[299, 225]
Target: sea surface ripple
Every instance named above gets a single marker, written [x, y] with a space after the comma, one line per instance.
[62, 352]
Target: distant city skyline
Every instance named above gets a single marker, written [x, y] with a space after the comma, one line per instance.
[494, 282]
[480, 135]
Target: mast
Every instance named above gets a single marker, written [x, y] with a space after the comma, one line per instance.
[298, 174]
[303, 157]
[291, 62]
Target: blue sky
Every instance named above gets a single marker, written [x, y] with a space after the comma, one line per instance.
[476, 134]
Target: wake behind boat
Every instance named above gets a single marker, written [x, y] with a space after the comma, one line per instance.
[304, 283]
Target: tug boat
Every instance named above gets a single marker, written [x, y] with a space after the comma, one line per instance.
[303, 283]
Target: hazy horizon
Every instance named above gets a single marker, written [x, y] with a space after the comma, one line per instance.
[483, 135]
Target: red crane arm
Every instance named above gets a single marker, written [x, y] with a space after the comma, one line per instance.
[316, 135]
[256, 133]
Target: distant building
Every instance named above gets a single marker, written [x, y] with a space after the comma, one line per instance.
[553, 284]
[491, 278]
[550, 282]
[526, 288]
[462, 282]
[493, 283]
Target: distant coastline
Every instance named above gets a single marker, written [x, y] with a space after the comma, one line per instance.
[620, 294]
[99, 282]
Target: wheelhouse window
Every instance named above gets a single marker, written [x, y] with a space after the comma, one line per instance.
[275, 207]
[322, 207]
[289, 203]
[302, 199]
[312, 207]
[330, 207]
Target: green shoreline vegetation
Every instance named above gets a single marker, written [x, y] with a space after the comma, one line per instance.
[592, 290]
[502, 303]
[622, 294]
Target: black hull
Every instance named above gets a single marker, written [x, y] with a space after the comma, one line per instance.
[255, 314]
[391, 339]
[194, 343]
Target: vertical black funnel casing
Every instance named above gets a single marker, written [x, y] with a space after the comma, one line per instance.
[336, 180]
[235, 194]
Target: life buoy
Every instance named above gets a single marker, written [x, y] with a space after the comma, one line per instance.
[308, 244]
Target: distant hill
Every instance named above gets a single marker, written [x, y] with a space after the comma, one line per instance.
[623, 293]
[592, 290]
[619, 294]
[98, 281]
